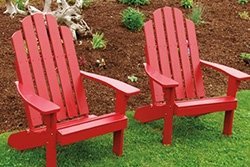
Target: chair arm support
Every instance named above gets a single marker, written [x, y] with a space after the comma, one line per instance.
[164, 81]
[113, 83]
[226, 70]
[44, 106]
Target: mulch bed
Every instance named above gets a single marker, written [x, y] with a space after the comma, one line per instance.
[221, 39]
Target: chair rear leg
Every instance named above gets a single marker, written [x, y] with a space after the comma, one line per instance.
[228, 122]
[167, 129]
[118, 138]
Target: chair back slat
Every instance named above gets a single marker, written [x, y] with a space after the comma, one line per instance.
[35, 58]
[171, 49]
[62, 66]
[184, 54]
[174, 51]
[25, 77]
[48, 67]
[196, 67]
[74, 69]
[150, 49]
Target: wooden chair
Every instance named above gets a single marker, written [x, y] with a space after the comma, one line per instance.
[50, 84]
[174, 69]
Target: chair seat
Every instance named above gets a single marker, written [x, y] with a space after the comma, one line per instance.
[92, 127]
[205, 106]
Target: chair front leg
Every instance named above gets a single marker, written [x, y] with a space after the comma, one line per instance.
[118, 139]
[50, 121]
[233, 85]
[168, 118]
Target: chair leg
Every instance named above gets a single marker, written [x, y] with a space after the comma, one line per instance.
[51, 154]
[167, 129]
[228, 122]
[118, 138]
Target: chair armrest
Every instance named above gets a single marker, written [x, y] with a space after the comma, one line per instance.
[226, 70]
[113, 83]
[42, 105]
[159, 78]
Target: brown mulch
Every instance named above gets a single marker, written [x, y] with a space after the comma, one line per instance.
[221, 38]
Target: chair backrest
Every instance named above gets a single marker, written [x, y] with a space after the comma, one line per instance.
[171, 48]
[46, 63]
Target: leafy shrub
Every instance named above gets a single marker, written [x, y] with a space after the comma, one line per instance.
[98, 42]
[135, 2]
[245, 55]
[244, 15]
[196, 14]
[133, 78]
[87, 3]
[133, 19]
[187, 3]
[20, 4]
[243, 2]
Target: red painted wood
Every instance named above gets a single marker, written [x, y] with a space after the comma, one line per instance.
[184, 54]
[204, 106]
[42, 105]
[162, 43]
[49, 64]
[74, 70]
[149, 113]
[152, 60]
[25, 76]
[227, 70]
[62, 66]
[35, 57]
[173, 49]
[113, 83]
[186, 71]
[118, 142]
[91, 129]
[193, 46]
[58, 66]
[164, 81]
[22, 140]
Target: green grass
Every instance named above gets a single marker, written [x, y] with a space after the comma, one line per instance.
[196, 142]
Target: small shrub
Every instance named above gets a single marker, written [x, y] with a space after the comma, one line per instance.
[98, 42]
[133, 19]
[196, 14]
[244, 15]
[187, 3]
[135, 2]
[245, 57]
[87, 3]
[20, 4]
[132, 78]
[242, 2]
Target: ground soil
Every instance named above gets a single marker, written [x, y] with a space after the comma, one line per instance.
[221, 39]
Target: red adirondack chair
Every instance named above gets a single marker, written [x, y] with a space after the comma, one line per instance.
[174, 68]
[50, 84]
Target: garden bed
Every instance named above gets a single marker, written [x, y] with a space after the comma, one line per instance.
[222, 38]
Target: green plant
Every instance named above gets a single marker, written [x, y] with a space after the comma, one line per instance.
[135, 2]
[196, 14]
[133, 78]
[133, 19]
[244, 15]
[20, 4]
[187, 3]
[243, 2]
[98, 42]
[245, 57]
[87, 3]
